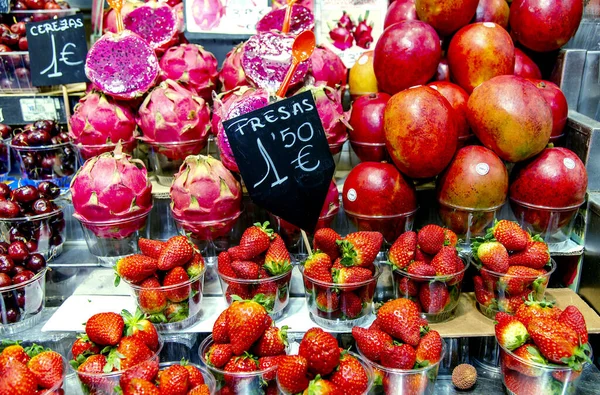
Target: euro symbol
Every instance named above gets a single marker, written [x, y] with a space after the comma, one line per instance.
[302, 164]
[64, 55]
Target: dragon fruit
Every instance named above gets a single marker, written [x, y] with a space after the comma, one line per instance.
[207, 13]
[109, 21]
[302, 19]
[122, 65]
[110, 193]
[239, 102]
[192, 65]
[232, 75]
[99, 122]
[267, 57]
[156, 22]
[326, 68]
[205, 197]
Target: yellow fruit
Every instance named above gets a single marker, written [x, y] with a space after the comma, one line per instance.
[362, 79]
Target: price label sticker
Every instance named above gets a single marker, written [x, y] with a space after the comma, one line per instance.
[38, 108]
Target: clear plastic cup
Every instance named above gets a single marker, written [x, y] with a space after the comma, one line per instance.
[390, 226]
[370, 152]
[166, 158]
[209, 380]
[467, 223]
[88, 151]
[21, 305]
[5, 162]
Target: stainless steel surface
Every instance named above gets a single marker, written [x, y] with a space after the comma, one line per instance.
[589, 287]
[583, 137]
[567, 74]
[589, 93]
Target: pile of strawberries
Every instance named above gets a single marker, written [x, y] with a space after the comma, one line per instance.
[399, 338]
[245, 340]
[29, 370]
[512, 268]
[112, 342]
[334, 266]
[321, 367]
[427, 268]
[261, 254]
[164, 264]
[542, 334]
[177, 379]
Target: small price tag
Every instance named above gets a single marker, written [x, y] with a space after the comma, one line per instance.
[39, 108]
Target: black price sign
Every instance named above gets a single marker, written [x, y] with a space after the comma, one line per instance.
[283, 156]
[60, 49]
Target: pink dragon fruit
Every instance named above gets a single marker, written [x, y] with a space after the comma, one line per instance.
[173, 114]
[207, 13]
[99, 122]
[267, 57]
[109, 21]
[302, 20]
[232, 74]
[156, 22]
[205, 197]
[192, 65]
[326, 68]
[110, 193]
[122, 65]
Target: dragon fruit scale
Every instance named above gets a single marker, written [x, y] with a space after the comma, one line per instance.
[192, 65]
[111, 193]
[205, 197]
[156, 22]
[301, 20]
[232, 74]
[326, 68]
[109, 22]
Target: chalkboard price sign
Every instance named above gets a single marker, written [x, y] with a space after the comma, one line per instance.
[284, 159]
[60, 49]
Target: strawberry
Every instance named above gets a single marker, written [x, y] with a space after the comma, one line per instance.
[176, 252]
[536, 255]
[174, 380]
[268, 362]
[224, 265]
[405, 384]
[218, 354]
[318, 267]
[444, 262]
[399, 356]
[490, 281]
[255, 240]
[327, 301]
[105, 329]
[47, 367]
[139, 386]
[219, 331]
[320, 350]
[400, 319]
[151, 248]
[195, 267]
[434, 297]
[150, 298]
[13, 352]
[351, 304]
[277, 259]
[350, 377]
[236, 289]
[483, 296]
[16, 379]
[533, 309]
[450, 238]
[322, 387]
[133, 351]
[529, 353]
[360, 248]
[146, 370]
[338, 264]
[510, 332]
[573, 318]
[431, 239]
[195, 375]
[176, 311]
[291, 373]
[519, 384]
[246, 322]
[557, 342]
[200, 390]
[140, 328]
[421, 269]
[92, 365]
[408, 287]
[510, 304]
[272, 342]
[519, 278]
[510, 235]
[247, 270]
[421, 256]
[325, 240]
[492, 255]
[245, 363]
[83, 346]
[566, 376]
[371, 342]
[429, 350]
[402, 252]
[135, 268]
[263, 273]
[351, 275]
[177, 276]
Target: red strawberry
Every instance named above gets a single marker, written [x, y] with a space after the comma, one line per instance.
[245, 269]
[422, 257]
[224, 264]
[255, 240]
[176, 252]
[429, 350]
[195, 267]
[272, 342]
[14, 352]
[371, 342]
[174, 380]
[322, 387]
[219, 331]
[408, 287]
[360, 248]
[291, 373]
[47, 367]
[277, 259]
[268, 362]
[350, 377]
[135, 268]
[558, 342]
[351, 275]
[431, 239]
[520, 384]
[325, 240]
[246, 322]
[402, 252]
[536, 255]
[422, 269]
[140, 387]
[327, 301]
[490, 281]
[444, 262]
[318, 267]
[492, 255]
[237, 289]
[434, 297]
[263, 273]
[136, 325]
[510, 332]
[92, 365]
[150, 298]
[133, 352]
[483, 296]
[105, 329]
[519, 278]
[529, 353]
[510, 235]
[177, 276]
[16, 379]
[245, 363]
[321, 351]
[450, 238]
[400, 318]
[573, 318]
[219, 354]
[151, 248]
[83, 346]
[533, 309]
[566, 376]
[510, 304]
[399, 357]
[146, 370]
[350, 304]
[195, 375]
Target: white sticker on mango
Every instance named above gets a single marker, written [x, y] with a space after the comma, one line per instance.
[482, 168]
[351, 195]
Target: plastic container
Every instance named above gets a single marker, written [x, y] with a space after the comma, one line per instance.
[465, 222]
[239, 383]
[405, 381]
[452, 284]
[57, 163]
[88, 151]
[330, 295]
[5, 162]
[166, 158]
[503, 301]
[373, 152]
[21, 305]
[390, 226]
[209, 380]
[276, 290]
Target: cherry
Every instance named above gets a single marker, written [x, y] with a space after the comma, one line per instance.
[56, 240]
[18, 251]
[51, 5]
[18, 269]
[18, 28]
[35, 263]
[25, 194]
[19, 6]
[3, 247]
[9, 209]
[31, 245]
[5, 131]
[12, 314]
[44, 124]
[9, 38]
[22, 277]
[48, 189]
[5, 280]
[35, 4]
[15, 234]
[6, 264]
[23, 44]
[48, 162]
[38, 137]
[21, 299]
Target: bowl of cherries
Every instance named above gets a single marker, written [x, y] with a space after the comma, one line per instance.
[30, 215]
[45, 153]
[5, 134]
